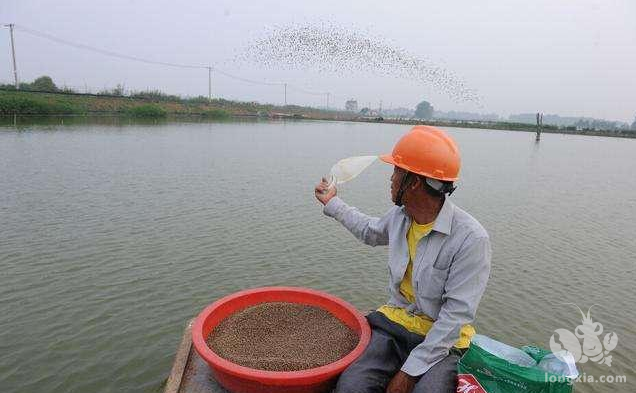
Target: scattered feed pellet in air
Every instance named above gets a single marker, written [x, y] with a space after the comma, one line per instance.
[281, 336]
[332, 48]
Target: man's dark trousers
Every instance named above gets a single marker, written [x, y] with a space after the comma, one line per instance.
[390, 345]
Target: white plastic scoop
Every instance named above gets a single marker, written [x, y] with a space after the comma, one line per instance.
[348, 168]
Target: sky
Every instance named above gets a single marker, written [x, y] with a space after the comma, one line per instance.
[567, 57]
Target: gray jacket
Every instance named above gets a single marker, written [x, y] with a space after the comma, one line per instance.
[450, 270]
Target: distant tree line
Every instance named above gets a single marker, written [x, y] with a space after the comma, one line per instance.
[572, 123]
[424, 110]
[45, 84]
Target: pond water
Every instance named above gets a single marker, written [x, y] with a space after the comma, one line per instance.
[114, 234]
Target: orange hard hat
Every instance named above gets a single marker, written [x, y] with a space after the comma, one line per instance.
[427, 151]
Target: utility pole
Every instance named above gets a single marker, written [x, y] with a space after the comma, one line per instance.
[285, 94]
[539, 126]
[209, 84]
[15, 67]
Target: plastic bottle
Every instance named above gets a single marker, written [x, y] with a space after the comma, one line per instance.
[348, 168]
[559, 363]
[504, 351]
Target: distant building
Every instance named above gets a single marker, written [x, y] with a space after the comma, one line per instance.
[351, 105]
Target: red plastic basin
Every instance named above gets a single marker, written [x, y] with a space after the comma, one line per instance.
[240, 379]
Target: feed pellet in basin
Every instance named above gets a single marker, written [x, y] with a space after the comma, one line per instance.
[281, 336]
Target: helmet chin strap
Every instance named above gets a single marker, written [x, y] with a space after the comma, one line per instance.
[440, 187]
[434, 184]
[401, 189]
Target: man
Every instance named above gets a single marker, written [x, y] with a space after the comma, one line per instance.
[439, 264]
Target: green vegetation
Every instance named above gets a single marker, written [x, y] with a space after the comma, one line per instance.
[154, 95]
[153, 104]
[43, 83]
[216, 114]
[118, 101]
[16, 103]
[424, 110]
[117, 91]
[146, 110]
[114, 104]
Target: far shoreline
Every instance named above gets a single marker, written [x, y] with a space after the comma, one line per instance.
[20, 104]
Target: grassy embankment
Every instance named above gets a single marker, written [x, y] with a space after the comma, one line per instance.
[157, 105]
[38, 103]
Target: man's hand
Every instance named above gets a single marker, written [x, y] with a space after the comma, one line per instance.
[401, 383]
[323, 192]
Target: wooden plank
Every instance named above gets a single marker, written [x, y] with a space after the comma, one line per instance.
[198, 378]
[190, 374]
[180, 361]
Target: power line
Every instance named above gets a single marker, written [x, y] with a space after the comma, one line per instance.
[102, 51]
[314, 93]
[155, 62]
[248, 80]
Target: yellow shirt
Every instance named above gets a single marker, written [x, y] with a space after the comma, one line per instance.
[419, 324]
